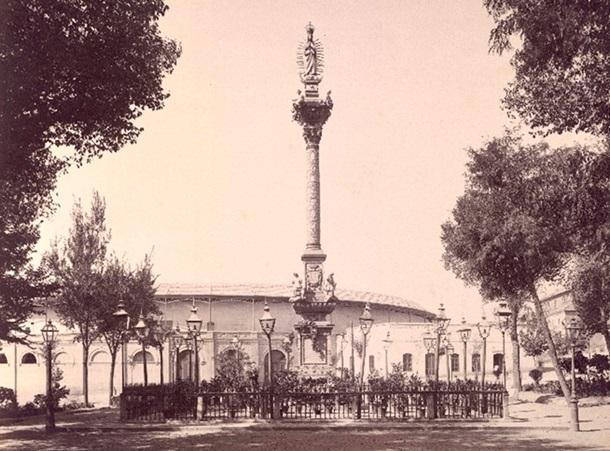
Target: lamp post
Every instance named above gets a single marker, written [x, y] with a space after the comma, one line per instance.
[366, 323]
[465, 336]
[448, 350]
[387, 342]
[189, 347]
[430, 345]
[504, 313]
[177, 340]
[160, 336]
[122, 318]
[484, 328]
[573, 330]
[441, 322]
[49, 332]
[194, 324]
[342, 338]
[236, 345]
[142, 332]
[267, 323]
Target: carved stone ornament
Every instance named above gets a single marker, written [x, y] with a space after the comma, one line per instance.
[314, 277]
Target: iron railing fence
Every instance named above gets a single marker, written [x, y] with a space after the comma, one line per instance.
[167, 404]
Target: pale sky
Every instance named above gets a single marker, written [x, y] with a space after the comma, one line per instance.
[216, 182]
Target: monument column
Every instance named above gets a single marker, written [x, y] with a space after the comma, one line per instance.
[314, 297]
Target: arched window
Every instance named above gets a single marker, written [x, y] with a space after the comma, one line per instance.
[102, 357]
[371, 363]
[63, 358]
[3, 359]
[278, 362]
[28, 359]
[497, 368]
[476, 363]
[138, 358]
[455, 362]
[430, 362]
[407, 362]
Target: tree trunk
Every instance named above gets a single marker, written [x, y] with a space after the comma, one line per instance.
[112, 367]
[514, 338]
[549, 339]
[86, 374]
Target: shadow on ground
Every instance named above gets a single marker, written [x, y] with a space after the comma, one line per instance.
[102, 431]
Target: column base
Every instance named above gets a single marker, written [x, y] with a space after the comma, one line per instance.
[574, 420]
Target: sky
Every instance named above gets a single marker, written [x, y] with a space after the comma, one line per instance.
[215, 186]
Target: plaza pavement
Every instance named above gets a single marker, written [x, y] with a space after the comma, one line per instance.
[533, 426]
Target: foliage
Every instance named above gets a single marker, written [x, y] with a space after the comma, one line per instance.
[562, 62]
[512, 228]
[533, 339]
[580, 363]
[536, 375]
[234, 371]
[73, 75]
[77, 265]
[599, 362]
[58, 390]
[8, 400]
[591, 295]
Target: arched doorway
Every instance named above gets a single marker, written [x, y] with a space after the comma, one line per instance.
[186, 365]
[278, 363]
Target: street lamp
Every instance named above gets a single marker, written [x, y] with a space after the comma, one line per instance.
[430, 345]
[387, 342]
[573, 330]
[267, 323]
[176, 339]
[366, 323]
[441, 322]
[236, 344]
[465, 336]
[504, 314]
[484, 328]
[49, 332]
[194, 324]
[342, 338]
[142, 332]
[449, 351]
[160, 335]
[122, 318]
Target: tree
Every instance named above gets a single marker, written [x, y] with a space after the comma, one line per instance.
[77, 265]
[135, 288]
[510, 229]
[562, 67]
[591, 296]
[74, 74]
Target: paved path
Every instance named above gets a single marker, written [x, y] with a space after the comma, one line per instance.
[533, 426]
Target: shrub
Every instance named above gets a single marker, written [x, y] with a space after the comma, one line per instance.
[535, 375]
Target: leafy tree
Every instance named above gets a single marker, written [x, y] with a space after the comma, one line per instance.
[77, 264]
[510, 229]
[232, 369]
[74, 74]
[591, 296]
[135, 288]
[562, 64]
